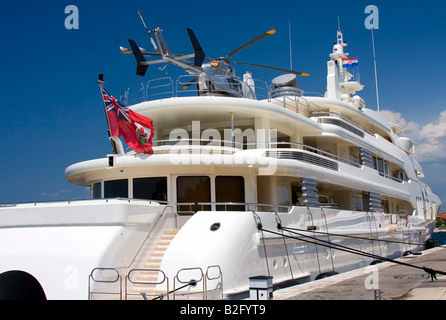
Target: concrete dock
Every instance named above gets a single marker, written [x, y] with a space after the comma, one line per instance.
[384, 281]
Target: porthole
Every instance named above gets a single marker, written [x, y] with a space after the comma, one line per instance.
[285, 262]
[215, 226]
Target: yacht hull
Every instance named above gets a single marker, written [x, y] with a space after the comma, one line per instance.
[64, 251]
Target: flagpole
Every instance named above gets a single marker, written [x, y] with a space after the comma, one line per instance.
[101, 85]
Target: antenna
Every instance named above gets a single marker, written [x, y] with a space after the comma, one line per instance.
[339, 24]
[376, 74]
[291, 55]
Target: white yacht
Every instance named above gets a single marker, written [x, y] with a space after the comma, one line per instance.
[247, 178]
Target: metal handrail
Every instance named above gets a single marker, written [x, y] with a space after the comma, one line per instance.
[165, 279]
[247, 205]
[234, 146]
[220, 276]
[127, 93]
[154, 225]
[190, 282]
[330, 114]
[197, 142]
[190, 81]
[175, 88]
[203, 277]
[168, 84]
[113, 280]
[315, 150]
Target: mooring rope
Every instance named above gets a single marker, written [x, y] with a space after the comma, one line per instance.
[310, 214]
[340, 247]
[260, 227]
[328, 238]
[356, 237]
[279, 223]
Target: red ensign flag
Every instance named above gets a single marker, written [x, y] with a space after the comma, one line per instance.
[136, 129]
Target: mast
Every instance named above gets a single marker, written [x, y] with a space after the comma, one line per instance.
[345, 79]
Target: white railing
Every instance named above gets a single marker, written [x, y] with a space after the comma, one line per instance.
[191, 85]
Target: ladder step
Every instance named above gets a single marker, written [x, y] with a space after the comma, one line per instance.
[151, 271]
[152, 265]
[151, 255]
[148, 278]
[174, 231]
[150, 292]
[140, 289]
[157, 254]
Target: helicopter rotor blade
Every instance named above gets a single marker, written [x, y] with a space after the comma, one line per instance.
[273, 68]
[199, 53]
[149, 33]
[261, 37]
[194, 80]
[141, 63]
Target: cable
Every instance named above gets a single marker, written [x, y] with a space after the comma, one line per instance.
[355, 237]
[279, 224]
[314, 240]
[309, 213]
[328, 238]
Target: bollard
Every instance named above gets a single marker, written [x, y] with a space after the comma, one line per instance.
[261, 288]
[377, 294]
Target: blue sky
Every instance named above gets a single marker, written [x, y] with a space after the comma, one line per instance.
[52, 112]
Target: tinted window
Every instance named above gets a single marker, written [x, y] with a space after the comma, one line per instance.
[97, 190]
[150, 188]
[193, 189]
[230, 189]
[116, 189]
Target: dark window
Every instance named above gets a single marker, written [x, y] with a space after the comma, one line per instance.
[380, 166]
[97, 190]
[193, 189]
[230, 189]
[116, 189]
[150, 188]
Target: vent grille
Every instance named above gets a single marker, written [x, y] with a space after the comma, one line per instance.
[367, 158]
[305, 157]
[374, 202]
[342, 124]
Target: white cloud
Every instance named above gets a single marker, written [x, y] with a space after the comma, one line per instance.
[54, 194]
[435, 130]
[75, 193]
[410, 128]
[430, 139]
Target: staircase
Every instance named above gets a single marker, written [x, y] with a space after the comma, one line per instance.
[143, 278]
[145, 272]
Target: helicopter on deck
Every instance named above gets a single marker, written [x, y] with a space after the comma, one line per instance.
[215, 75]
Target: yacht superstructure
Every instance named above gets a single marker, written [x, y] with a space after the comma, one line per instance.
[235, 168]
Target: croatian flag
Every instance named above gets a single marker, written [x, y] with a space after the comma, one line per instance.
[349, 62]
[136, 129]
